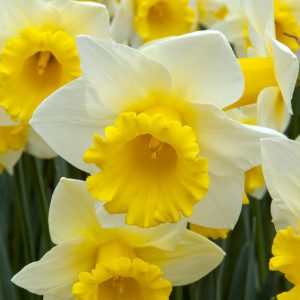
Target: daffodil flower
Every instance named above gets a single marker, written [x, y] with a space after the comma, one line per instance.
[38, 55]
[211, 11]
[123, 262]
[138, 21]
[270, 70]
[38, 49]
[282, 15]
[235, 27]
[281, 170]
[161, 140]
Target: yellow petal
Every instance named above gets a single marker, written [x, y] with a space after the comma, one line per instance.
[34, 65]
[124, 279]
[162, 18]
[286, 249]
[150, 169]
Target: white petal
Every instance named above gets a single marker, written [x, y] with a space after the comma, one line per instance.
[202, 65]
[56, 272]
[108, 220]
[192, 259]
[281, 168]
[286, 71]
[37, 147]
[225, 142]
[63, 122]
[88, 18]
[9, 159]
[121, 25]
[16, 15]
[231, 27]
[163, 236]
[72, 214]
[222, 205]
[117, 75]
[272, 113]
[259, 13]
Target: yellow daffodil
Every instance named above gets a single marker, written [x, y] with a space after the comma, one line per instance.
[281, 170]
[38, 55]
[139, 21]
[270, 71]
[163, 148]
[120, 262]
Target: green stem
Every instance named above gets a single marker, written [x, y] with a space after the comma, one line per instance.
[178, 293]
[24, 210]
[8, 289]
[43, 203]
[260, 243]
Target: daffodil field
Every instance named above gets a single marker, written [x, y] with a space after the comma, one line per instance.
[150, 150]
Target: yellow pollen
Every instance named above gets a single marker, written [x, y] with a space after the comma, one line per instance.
[118, 282]
[155, 146]
[44, 58]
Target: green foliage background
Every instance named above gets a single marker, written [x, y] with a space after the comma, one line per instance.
[24, 234]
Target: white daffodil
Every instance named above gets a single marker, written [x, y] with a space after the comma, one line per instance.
[281, 167]
[161, 139]
[124, 262]
[211, 11]
[234, 26]
[38, 55]
[270, 71]
[282, 15]
[139, 21]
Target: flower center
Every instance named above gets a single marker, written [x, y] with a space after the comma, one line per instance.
[119, 275]
[44, 58]
[159, 157]
[155, 146]
[34, 65]
[160, 18]
[286, 25]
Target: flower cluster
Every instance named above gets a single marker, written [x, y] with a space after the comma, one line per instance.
[174, 126]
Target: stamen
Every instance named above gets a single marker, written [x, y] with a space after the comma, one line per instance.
[119, 283]
[293, 37]
[158, 9]
[155, 146]
[43, 59]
